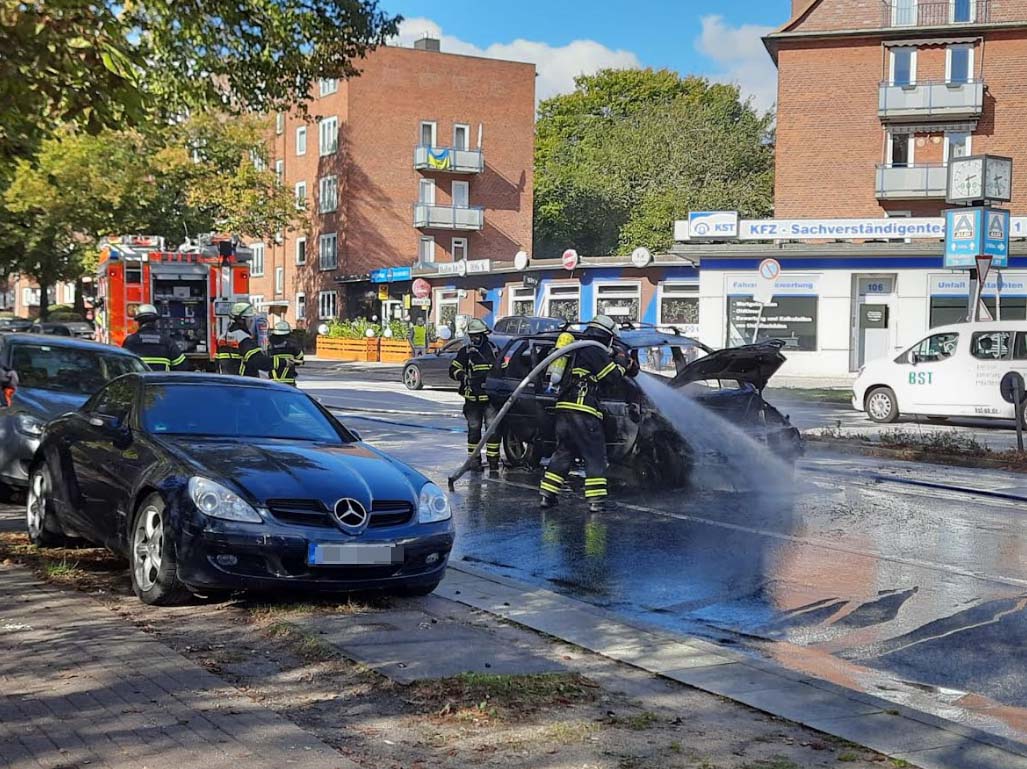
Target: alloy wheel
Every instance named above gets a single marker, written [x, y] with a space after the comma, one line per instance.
[411, 377]
[148, 547]
[879, 405]
[35, 505]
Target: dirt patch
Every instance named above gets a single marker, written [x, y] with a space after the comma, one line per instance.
[913, 447]
[86, 569]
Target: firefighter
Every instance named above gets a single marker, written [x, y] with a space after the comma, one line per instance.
[238, 352]
[157, 350]
[470, 368]
[285, 354]
[8, 385]
[579, 420]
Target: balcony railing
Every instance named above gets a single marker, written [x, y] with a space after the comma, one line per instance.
[931, 100]
[911, 182]
[935, 13]
[434, 217]
[455, 161]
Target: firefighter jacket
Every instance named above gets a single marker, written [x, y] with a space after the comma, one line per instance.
[471, 368]
[8, 384]
[238, 353]
[285, 356]
[579, 392]
[157, 350]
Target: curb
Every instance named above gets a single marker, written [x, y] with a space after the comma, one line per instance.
[894, 730]
[913, 454]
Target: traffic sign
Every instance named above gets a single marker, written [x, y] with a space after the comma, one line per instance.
[996, 236]
[766, 279]
[421, 288]
[570, 259]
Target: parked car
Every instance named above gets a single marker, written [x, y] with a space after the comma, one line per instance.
[55, 374]
[526, 325]
[641, 444]
[80, 329]
[954, 371]
[14, 325]
[209, 483]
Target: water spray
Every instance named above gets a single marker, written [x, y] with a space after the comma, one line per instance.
[494, 426]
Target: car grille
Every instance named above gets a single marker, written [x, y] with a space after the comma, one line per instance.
[312, 512]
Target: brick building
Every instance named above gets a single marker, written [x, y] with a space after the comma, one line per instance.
[425, 158]
[874, 96]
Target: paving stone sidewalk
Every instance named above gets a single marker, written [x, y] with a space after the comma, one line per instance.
[82, 689]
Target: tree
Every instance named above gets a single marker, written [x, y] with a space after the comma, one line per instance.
[629, 151]
[99, 65]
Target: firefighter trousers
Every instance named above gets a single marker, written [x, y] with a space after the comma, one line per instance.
[578, 436]
[479, 417]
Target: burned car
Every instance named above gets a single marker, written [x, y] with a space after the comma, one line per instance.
[642, 445]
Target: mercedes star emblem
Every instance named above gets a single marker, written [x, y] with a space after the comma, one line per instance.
[350, 515]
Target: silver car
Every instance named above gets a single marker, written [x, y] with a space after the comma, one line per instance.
[55, 375]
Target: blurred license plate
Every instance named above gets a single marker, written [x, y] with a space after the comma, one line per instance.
[353, 555]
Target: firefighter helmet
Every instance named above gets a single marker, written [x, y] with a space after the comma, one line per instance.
[603, 323]
[243, 310]
[281, 329]
[146, 313]
[477, 326]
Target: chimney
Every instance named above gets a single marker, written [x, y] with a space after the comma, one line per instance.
[428, 44]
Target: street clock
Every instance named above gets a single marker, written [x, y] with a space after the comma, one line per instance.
[979, 178]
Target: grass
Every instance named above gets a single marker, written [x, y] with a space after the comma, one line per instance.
[774, 763]
[62, 570]
[848, 757]
[900, 763]
[569, 732]
[270, 612]
[841, 395]
[478, 696]
[83, 568]
[302, 643]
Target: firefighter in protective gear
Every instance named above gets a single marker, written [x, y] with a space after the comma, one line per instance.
[238, 352]
[157, 350]
[579, 419]
[285, 354]
[470, 368]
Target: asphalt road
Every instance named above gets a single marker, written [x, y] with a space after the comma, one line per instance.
[862, 571]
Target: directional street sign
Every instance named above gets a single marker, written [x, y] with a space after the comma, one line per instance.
[973, 232]
[996, 237]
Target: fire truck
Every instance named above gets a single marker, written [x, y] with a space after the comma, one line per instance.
[192, 287]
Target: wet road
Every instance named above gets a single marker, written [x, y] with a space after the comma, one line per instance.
[849, 572]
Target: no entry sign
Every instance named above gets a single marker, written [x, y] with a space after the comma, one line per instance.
[421, 288]
[570, 259]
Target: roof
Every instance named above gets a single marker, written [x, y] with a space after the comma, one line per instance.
[982, 325]
[196, 378]
[64, 341]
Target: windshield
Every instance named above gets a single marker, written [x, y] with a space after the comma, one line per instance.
[69, 369]
[233, 411]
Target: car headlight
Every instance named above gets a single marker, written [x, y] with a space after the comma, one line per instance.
[29, 425]
[215, 500]
[433, 505]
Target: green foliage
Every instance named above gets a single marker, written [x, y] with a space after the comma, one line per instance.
[352, 329]
[100, 65]
[629, 151]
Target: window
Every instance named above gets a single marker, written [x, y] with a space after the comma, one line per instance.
[426, 192]
[522, 300]
[461, 194]
[621, 301]
[280, 123]
[427, 133]
[564, 301]
[257, 300]
[426, 250]
[903, 66]
[792, 319]
[328, 200]
[963, 11]
[459, 249]
[328, 136]
[258, 259]
[1020, 348]
[679, 306]
[115, 401]
[328, 252]
[301, 140]
[301, 306]
[959, 64]
[328, 85]
[993, 345]
[258, 160]
[279, 280]
[933, 349]
[280, 171]
[301, 250]
[900, 150]
[461, 136]
[68, 369]
[301, 195]
[903, 13]
[447, 304]
[327, 305]
[946, 310]
[957, 144]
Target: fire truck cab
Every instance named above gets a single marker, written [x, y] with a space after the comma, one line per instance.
[193, 289]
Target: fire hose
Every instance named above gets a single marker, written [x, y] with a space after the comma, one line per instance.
[498, 420]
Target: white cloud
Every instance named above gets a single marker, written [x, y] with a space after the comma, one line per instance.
[742, 58]
[557, 66]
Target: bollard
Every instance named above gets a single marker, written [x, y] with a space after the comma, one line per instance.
[1021, 404]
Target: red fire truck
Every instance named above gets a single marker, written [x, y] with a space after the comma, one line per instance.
[193, 289]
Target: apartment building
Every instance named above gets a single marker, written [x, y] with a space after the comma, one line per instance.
[424, 159]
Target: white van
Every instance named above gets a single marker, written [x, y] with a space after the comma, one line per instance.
[953, 372]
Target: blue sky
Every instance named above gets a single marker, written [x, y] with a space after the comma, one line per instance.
[566, 37]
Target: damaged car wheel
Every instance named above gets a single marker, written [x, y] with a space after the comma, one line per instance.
[519, 452]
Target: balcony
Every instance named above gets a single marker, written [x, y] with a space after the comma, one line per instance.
[432, 217]
[935, 13]
[448, 160]
[931, 100]
[911, 182]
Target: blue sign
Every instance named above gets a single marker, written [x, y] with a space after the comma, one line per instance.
[996, 237]
[720, 225]
[391, 274]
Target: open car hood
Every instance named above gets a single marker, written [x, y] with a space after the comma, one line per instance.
[754, 364]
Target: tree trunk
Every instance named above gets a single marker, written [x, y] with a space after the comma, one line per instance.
[80, 297]
[44, 299]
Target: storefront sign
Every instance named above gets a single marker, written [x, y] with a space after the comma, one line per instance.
[421, 301]
[958, 284]
[720, 225]
[451, 268]
[383, 293]
[478, 266]
[875, 286]
[793, 285]
[973, 232]
[530, 281]
[792, 319]
[390, 274]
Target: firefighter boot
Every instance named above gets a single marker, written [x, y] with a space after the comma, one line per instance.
[597, 506]
[548, 500]
[493, 467]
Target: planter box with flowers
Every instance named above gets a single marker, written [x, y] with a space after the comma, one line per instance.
[395, 351]
[334, 348]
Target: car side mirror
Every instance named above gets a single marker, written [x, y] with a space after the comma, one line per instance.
[112, 426]
[356, 435]
[914, 358]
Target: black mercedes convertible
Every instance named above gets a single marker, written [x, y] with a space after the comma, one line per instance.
[210, 484]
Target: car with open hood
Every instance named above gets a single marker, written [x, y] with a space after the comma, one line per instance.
[212, 483]
[642, 446]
